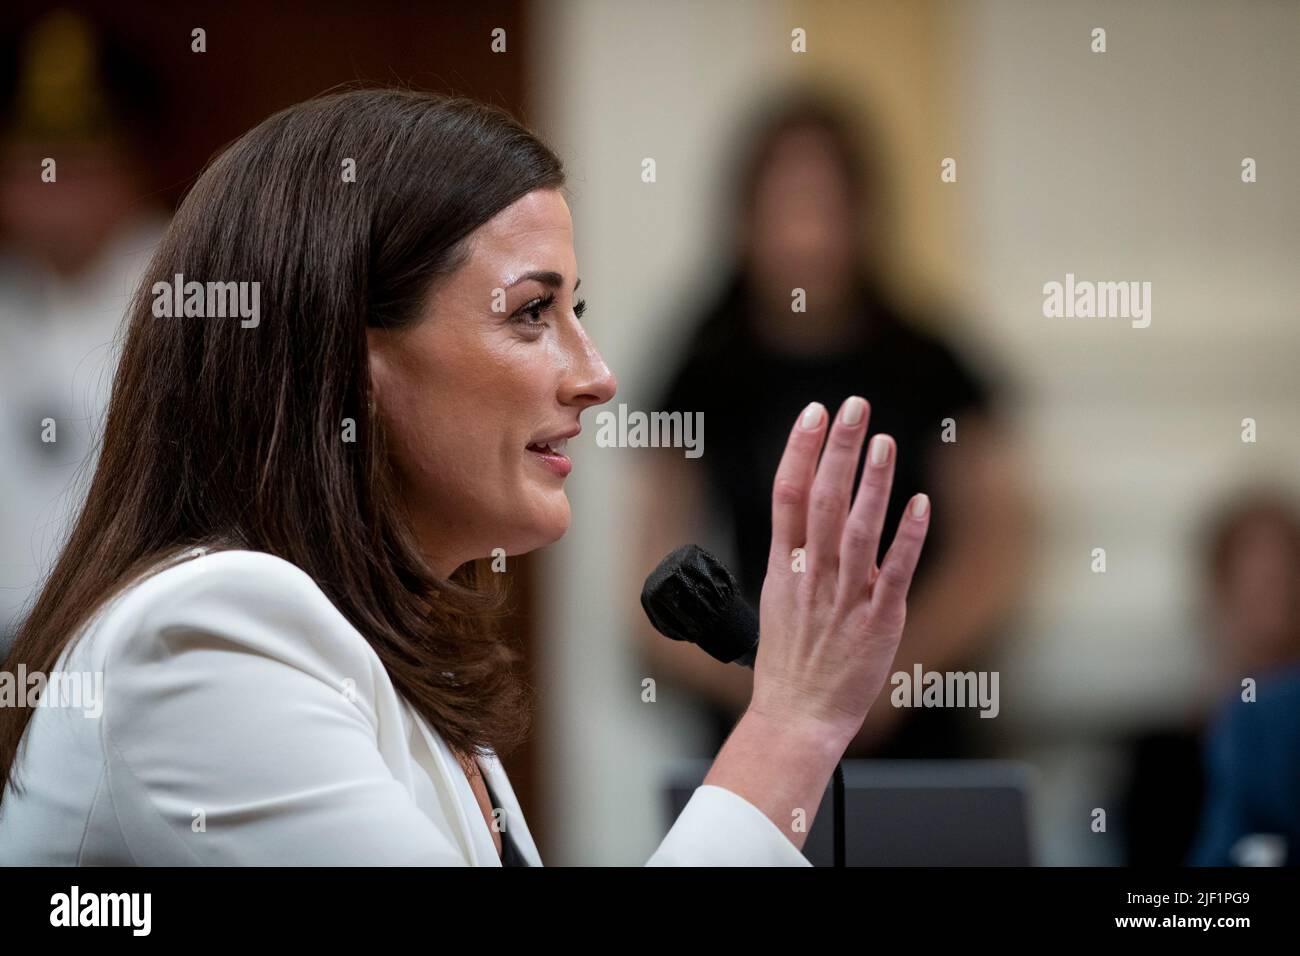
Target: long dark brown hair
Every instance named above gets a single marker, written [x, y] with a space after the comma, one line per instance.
[228, 436]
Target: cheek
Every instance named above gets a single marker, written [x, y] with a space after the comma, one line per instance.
[440, 442]
[459, 429]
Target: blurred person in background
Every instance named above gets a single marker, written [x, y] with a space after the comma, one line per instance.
[810, 214]
[74, 237]
[1203, 792]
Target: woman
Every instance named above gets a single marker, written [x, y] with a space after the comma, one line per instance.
[279, 567]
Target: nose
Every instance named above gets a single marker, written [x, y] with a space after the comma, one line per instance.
[589, 380]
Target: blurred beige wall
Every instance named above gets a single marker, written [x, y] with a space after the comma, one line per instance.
[1126, 165]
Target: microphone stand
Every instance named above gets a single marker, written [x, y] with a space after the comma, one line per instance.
[837, 804]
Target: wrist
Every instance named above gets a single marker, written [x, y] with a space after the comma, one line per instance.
[800, 730]
[781, 766]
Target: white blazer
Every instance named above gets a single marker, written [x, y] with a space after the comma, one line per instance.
[244, 721]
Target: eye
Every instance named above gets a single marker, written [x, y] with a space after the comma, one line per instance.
[535, 308]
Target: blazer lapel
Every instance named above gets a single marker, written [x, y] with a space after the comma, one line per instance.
[475, 841]
[471, 829]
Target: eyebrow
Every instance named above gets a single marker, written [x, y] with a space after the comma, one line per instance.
[547, 278]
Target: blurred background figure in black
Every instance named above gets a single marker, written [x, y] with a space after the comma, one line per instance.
[806, 314]
[77, 226]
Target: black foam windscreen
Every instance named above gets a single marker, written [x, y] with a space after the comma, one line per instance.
[691, 596]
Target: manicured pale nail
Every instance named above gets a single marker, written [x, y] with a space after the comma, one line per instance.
[812, 416]
[879, 450]
[920, 505]
[853, 410]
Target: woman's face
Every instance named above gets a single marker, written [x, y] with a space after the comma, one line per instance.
[801, 227]
[498, 366]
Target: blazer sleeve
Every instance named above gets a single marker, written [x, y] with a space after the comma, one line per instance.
[232, 736]
[720, 828]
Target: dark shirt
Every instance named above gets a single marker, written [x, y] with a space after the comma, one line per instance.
[1252, 756]
[750, 396]
[510, 855]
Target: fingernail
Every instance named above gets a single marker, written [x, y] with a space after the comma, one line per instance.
[879, 450]
[853, 410]
[812, 416]
[920, 505]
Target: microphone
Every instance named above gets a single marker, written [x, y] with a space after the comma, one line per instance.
[692, 597]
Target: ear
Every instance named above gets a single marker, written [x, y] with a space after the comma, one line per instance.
[378, 346]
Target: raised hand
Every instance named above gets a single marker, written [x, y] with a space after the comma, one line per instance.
[830, 618]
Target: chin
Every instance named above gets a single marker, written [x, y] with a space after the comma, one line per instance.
[556, 525]
[547, 525]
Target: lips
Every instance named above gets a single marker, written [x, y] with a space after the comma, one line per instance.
[555, 446]
[555, 442]
[550, 452]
